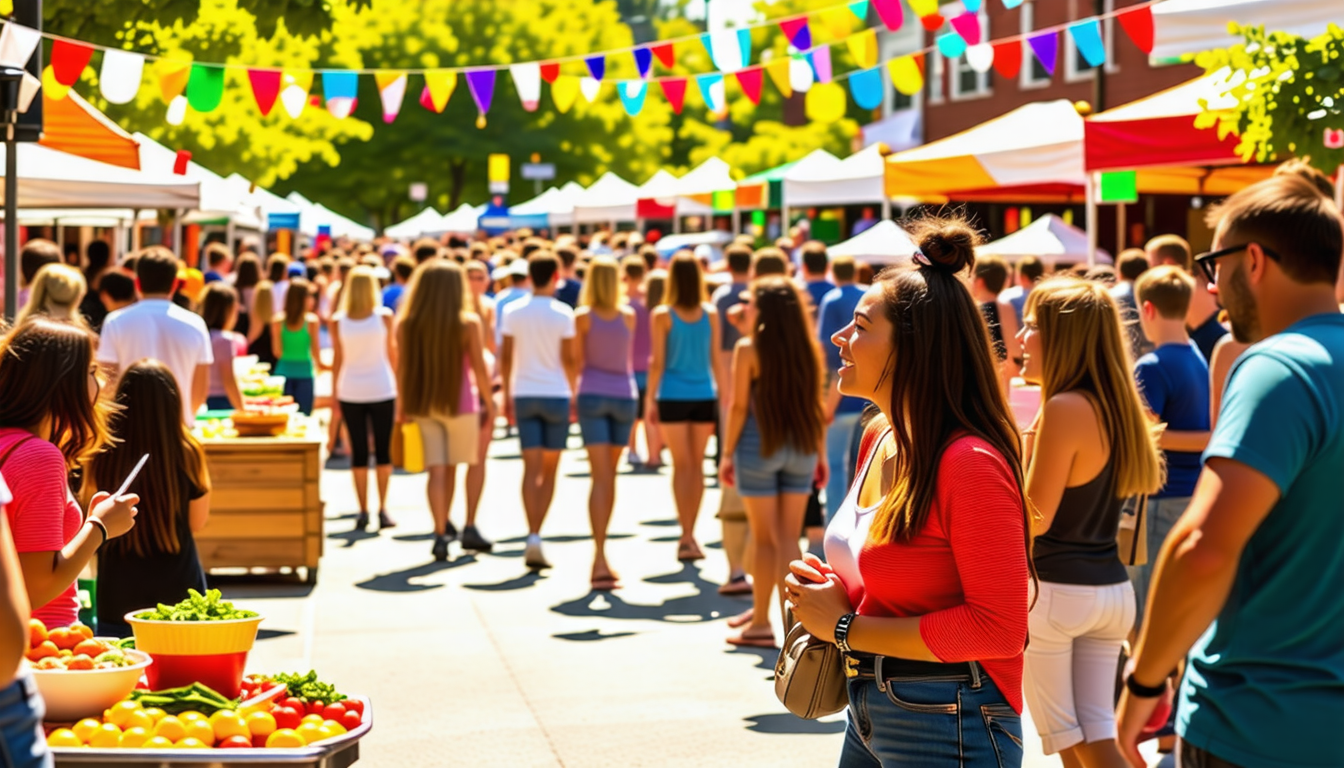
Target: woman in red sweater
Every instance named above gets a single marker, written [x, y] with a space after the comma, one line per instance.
[925, 589]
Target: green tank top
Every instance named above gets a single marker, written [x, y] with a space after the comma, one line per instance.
[296, 353]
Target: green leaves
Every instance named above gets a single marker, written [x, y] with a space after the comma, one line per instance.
[197, 607]
[309, 688]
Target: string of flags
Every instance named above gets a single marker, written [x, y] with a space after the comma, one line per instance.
[808, 67]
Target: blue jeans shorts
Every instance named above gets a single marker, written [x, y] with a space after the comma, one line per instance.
[787, 470]
[302, 392]
[22, 743]
[543, 422]
[606, 420]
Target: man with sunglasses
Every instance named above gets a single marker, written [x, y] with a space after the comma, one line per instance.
[1248, 580]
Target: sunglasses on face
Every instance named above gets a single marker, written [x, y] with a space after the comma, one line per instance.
[1208, 261]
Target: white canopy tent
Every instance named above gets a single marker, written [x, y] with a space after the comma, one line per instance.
[822, 179]
[464, 220]
[883, 243]
[1192, 26]
[266, 202]
[559, 209]
[1049, 237]
[219, 198]
[610, 199]
[428, 220]
[313, 215]
[49, 178]
[539, 205]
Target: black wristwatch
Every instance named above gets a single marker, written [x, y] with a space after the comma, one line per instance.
[1139, 690]
[842, 632]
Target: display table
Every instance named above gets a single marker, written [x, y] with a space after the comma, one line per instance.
[265, 509]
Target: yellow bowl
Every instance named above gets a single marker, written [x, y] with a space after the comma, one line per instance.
[193, 638]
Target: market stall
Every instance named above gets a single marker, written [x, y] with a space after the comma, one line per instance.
[611, 199]
[825, 181]
[1050, 238]
[883, 243]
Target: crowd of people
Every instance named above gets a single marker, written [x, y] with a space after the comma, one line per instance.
[966, 559]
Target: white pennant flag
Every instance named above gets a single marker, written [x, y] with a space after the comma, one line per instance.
[726, 50]
[392, 94]
[527, 81]
[17, 44]
[119, 79]
[590, 88]
[177, 110]
[980, 57]
[800, 74]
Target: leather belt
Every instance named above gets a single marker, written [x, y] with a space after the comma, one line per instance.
[883, 668]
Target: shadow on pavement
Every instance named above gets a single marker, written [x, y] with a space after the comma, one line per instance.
[414, 537]
[271, 634]
[660, 523]
[565, 538]
[350, 537]
[706, 605]
[766, 657]
[520, 582]
[269, 585]
[592, 635]
[400, 581]
[784, 722]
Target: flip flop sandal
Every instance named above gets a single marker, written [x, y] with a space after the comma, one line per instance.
[744, 640]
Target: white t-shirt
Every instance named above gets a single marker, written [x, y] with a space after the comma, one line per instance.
[162, 330]
[366, 373]
[538, 324]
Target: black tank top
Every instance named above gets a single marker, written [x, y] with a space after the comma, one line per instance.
[261, 347]
[990, 310]
[1080, 546]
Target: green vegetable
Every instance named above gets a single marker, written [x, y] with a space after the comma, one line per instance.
[115, 657]
[200, 698]
[197, 607]
[126, 643]
[309, 688]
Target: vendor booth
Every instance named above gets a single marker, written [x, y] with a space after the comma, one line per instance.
[882, 244]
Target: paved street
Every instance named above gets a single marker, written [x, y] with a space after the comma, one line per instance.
[476, 662]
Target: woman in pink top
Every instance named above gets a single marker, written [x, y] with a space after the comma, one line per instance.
[50, 423]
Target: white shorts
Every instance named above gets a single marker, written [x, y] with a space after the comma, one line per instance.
[1071, 662]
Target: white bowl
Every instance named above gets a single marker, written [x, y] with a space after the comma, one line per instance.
[71, 695]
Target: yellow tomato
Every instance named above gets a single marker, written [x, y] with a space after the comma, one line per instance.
[312, 732]
[107, 736]
[170, 728]
[314, 719]
[191, 715]
[157, 742]
[138, 719]
[285, 738]
[134, 738]
[64, 737]
[335, 727]
[155, 714]
[201, 730]
[118, 713]
[191, 743]
[85, 729]
[230, 725]
[261, 723]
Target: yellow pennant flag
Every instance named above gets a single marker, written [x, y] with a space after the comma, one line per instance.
[173, 79]
[564, 91]
[779, 75]
[441, 83]
[924, 8]
[825, 102]
[863, 48]
[907, 74]
[51, 87]
[838, 21]
[386, 77]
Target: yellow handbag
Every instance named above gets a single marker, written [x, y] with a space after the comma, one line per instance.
[412, 447]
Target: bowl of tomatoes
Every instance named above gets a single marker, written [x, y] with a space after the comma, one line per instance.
[80, 675]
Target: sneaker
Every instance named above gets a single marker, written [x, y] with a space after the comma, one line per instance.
[474, 541]
[533, 558]
[634, 459]
[450, 531]
[440, 550]
[362, 521]
[385, 520]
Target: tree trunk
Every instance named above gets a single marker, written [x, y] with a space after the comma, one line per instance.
[457, 179]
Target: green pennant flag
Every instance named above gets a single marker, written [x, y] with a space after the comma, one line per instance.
[860, 9]
[1119, 187]
[205, 88]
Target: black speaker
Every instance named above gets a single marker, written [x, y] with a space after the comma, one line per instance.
[29, 14]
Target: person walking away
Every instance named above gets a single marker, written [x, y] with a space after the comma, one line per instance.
[570, 287]
[157, 562]
[991, 272]
[263, 317]
[33, 256]
[156, 327]
[1029, 272]
[684, 381]
[732, 512]
[633, 272]
[478, 281]
[815, 264]
[99, 262]
[295, 337]
[219, 310]
[842, 412]
[1202, 319]
[402, 267]
[440, 367]
[1089, 448]
[51, 421]
[116, 290]
[774, 436]
[1247, 580]
[246, 275]
[607, 402]
[927, 576]
[655, 290]
[363, 360]
[539, 366]
[518, 289]
[277, 271]
[1131, 263]
[219, 263]
[56, 292]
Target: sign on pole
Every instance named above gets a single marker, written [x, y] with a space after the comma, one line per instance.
[538, 171]
[419, 192]
[498, 174]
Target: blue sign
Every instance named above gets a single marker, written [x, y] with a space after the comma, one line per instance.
[282, 221]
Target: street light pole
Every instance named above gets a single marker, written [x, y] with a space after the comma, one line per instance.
[10, 78]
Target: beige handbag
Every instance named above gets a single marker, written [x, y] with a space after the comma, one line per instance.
[1132, 538]
[809, 674]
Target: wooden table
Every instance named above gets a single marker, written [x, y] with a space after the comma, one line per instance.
[265, 510]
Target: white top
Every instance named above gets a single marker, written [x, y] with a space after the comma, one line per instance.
[366, 373]
[848, 531]
[162, 330]
[538, 324]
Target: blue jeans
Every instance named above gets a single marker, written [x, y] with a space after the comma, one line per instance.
[218, 403]
[605, 420]
[22, 744]
[932, 724]
[543, 422]
[840, 458]
[1162, 517]
[302, 392]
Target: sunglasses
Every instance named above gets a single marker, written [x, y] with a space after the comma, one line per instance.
[1207, 261]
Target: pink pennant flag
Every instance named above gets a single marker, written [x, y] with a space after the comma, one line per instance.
[265, 87]
[968, 26]
[750, 80]
[890, 12]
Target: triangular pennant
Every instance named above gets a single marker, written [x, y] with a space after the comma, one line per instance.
[177, 110]
[674, 90]
[205, 87]
[744, 47]
[951, 45]
[590, 88]
[729, 49]
[933, 22]
[643, 61]
[711, 90]
[632, 93]
[708, 44]
[666, 54]
[863, 48]
[924, 8]
[860, 10]
[820, 59]
[527, 82]
[68, 60]
[340, 89]
[549, 71]
[1046, 47]
[294, 88]
[801, 74]
[891, 13]
[750, 80]
[826, 103]
[1138, 24]
[1008, 58]
[183, 159]
[971, 6]
[119, 78]
[265, 87]
[597, 66]
[778, 69]
[865, 85]
[391, 91]
[172, 79]
[17, 44]
[838, 21]
[794, 27]
[439, 85]
[1011, 4]
[980, 57]
[907, 73]
[564, 91]
[481, 83]
[54, 90]
[1087, 38]
[968, 26]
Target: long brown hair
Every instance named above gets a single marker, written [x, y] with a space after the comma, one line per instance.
[44, 373]
[788, 389]
[429, 335]
[685, 282]
[150, 421]
[247, 272]
[943, 377]
[296, 302]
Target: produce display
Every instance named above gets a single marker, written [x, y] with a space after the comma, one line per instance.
[197, 607]
[74, 648]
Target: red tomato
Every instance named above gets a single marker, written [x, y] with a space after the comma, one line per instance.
[286, 717]
[293, 702]
[235, 742]
[354, 705]
[314, 708]
[334, 711]
[351, 720]
[259, 741]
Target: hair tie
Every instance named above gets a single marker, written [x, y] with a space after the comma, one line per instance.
[921, 259]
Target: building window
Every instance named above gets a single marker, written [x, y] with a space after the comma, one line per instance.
[1076, 67]
[936, 75]
[900, 101]
[1033, 74]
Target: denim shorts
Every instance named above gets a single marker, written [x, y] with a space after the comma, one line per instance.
[605, 420]
[22, 744]
[787, 470]
[543, 422]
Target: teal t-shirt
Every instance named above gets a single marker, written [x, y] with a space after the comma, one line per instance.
[1265, 684]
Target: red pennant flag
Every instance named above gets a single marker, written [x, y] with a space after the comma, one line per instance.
[1008, 58]
[265, 87]
[1138, 24]
[750, 80]
[665, 54]
[549, 71]
[790, 27]
[180, 163]
[68, 60]
[933, 22]
[675, 91]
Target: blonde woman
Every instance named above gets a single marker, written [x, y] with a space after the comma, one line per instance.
[441, 360]
[604, 341]
[1090, 448]
[262, 314]
[478, 280]
[56, 291]
[363, 362]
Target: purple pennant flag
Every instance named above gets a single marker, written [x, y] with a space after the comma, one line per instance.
[1046, 48]
[482, 85]
[597, 66]
[643, 60]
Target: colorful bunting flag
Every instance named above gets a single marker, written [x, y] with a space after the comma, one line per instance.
[865, 85]
[177, 110]
[838, 21]
[182, 161]
[891, 13]
[980, 57]
[750, 80]
[1046, 47]
[778, 69]
[820, 59]
[590, 88]
[665, 53]
[860, 10]
[632, 94]
[711, 90]
[674, 90]
[481, 83]
[172, 79]
[549, 71]
[392, 92]
[643, 61]
[797, 31]
[597, 66]
[17, 44]
[119, 78]
[294, 88]
[933, 22]
[50, 87]
[265, 88]
[863, 48]
[971, 6]
[564, 91]
[826, 103]
[1138, 24]
[1008, 58]
[527, 82]
[1087, 37]
[907, 73]
[801, 75]
[729, 49]
[1011, 4]
[439, 87]
[68, 60]
[951, 45]
[205, 87]
[341, 91]
[924, 8]
[968, 26]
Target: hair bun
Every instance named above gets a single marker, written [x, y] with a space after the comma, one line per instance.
[948, 243]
